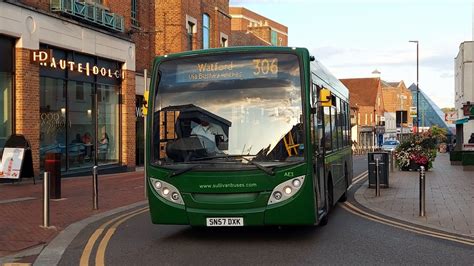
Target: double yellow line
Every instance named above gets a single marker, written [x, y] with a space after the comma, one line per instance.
[415, 229]
[358, 178]
[100, 254]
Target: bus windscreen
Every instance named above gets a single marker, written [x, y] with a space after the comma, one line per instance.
[228, 105]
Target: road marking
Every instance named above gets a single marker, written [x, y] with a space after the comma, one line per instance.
[100, 256]
[361, 174]
[354, 210]
[86, 253]
[358, 178]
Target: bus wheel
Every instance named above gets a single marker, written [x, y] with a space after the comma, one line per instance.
[343, 198]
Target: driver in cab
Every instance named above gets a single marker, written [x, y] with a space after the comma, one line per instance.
[208, 130]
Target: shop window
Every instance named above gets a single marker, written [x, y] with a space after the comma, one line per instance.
[53, 119]
[69, 112]
[108, 122]
[6, 88]
[79, 91]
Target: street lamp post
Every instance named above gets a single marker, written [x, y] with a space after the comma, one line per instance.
[417, 90]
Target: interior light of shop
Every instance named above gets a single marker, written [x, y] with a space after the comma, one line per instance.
[63, 111]
[89, 111]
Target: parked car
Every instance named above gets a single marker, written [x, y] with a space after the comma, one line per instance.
[390, 145]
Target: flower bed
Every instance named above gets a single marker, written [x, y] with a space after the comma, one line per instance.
[418, 150]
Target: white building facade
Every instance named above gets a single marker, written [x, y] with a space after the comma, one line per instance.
[464, 90]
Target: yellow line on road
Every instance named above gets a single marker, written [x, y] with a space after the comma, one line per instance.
[86, 253]
[360, 175]
[358, 178]
[354, 210]
[100, 256]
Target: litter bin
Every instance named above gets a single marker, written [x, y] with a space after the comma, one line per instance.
[383, 168]
[52, 165]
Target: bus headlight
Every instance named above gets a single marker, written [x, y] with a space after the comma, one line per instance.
[286, 190]
[167, 191]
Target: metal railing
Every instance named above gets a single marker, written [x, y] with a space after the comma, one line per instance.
[89, 12]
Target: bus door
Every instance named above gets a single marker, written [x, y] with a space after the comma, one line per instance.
[317, 139]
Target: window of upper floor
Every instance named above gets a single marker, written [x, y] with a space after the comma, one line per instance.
[274, 38]
[224, 40]
[206, 36]
[191, 29]
[134, 13]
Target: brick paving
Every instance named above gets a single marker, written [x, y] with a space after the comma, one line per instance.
[21, 216]
[449, 197]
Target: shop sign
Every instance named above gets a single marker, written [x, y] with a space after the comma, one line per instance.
[468, 109]
[366, 129]
[45, 58]
[468, 147]
[139, 112]
[450, 117]
[413, 112]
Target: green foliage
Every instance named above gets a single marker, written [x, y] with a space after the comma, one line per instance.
[438, 133]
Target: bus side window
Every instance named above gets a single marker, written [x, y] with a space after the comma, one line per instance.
[313, 118]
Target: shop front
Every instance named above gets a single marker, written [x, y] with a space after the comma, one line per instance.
[7, 52]
[79, 108]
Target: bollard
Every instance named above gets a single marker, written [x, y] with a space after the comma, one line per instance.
[422, 191]
[95, 188]
[46, 200]
[377, 178]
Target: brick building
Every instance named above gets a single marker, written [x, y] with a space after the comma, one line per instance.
[165, 27]
[250, 28]
[68, 66]
[397, 101]
[366, 99]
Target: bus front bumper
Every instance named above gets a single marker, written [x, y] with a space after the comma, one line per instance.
[295, 211]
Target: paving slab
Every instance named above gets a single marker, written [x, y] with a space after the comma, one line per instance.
[449, 197]
[22, 215]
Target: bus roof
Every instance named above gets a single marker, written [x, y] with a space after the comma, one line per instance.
[233, 50]
[322, 77]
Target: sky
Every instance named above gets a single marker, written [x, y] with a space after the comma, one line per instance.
[352, 38]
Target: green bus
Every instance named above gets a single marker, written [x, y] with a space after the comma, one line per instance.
[246, 136]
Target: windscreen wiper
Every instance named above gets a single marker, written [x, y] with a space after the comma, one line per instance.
[182, 171]
[265, 169]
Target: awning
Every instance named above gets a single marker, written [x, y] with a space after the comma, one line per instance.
[461, 121]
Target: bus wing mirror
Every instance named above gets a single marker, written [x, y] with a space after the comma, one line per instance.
[145, 103]
[313, 110]
[325, 97]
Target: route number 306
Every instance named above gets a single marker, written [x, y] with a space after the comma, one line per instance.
[265, 66]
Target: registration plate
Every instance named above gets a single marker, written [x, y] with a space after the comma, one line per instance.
[225, 221]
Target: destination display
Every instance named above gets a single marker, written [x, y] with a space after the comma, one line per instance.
[227, 70]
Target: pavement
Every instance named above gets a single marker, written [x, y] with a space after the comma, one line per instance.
[22, 215]
[449, 197]
[449, 203]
